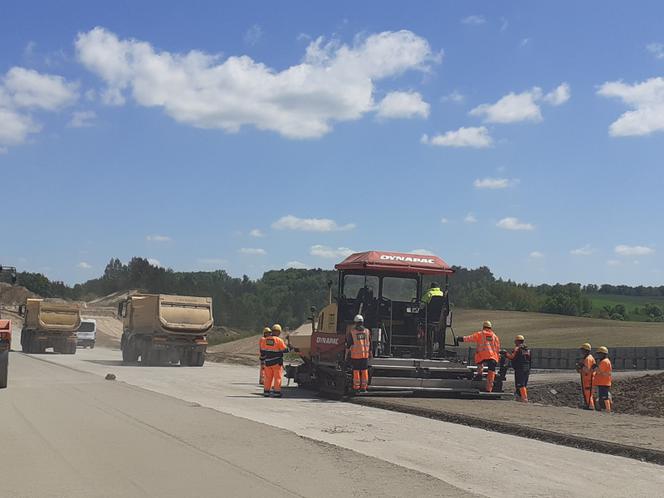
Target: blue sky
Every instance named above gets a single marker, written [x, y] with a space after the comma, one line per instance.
[256, 135]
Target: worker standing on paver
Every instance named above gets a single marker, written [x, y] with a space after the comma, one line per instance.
[487, 352]
[358, 347]
[520, 358]
[602, 379]
[273, 351]
[586, 368]
[434, 290]
[267, 332]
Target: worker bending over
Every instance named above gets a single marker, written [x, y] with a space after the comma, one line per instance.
[267, 332]
[434, 290]
[358, 347]
[273, 351]
[520, 358]
[602, 379]
[488, 348]
[586, 368]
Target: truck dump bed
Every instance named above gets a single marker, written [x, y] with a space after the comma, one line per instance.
[161, 313]
[48, 316]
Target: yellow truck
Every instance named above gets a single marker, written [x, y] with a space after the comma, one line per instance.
[49, 324]
[161, 328]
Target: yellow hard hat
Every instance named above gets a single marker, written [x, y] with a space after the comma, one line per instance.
[519, 338]
[267, 331]
[586, 346]
[486, 324]
[276, 328]
[603, 349]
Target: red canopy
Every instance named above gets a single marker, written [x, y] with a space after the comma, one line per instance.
[395, 261]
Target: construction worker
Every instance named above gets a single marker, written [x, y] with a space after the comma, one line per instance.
[487, 352]
[586, 368]
[521, 359]
[602, 379]
[273, 350]
[267, 332]
[434, 290]
[358, 347]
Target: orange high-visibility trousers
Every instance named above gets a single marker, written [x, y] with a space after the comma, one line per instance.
[588, 395]
[261, 376]
[360, 379]
[273, 375]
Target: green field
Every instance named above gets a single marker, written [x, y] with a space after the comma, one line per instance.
[599, 301]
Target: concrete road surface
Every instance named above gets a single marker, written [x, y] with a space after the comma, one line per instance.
[123, 434]
[65, 433]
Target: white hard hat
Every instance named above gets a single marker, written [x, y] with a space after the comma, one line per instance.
[358, 318]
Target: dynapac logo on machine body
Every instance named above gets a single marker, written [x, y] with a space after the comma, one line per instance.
[407, 259]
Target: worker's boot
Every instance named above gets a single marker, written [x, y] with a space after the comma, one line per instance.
[523, 394]
[277, 394]
[490, 378]
[266, 394]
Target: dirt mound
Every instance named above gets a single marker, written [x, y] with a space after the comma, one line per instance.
[113, 299]
[13, 295]
[637, 395]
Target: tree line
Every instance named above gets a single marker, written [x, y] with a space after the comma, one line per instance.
[286, 295]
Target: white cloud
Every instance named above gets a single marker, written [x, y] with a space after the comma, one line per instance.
[402, 105]
[25, 90]
[656, 49]
[470, 218]
[511, 223]
[494, 183]
[476, 137]
[444, 220]
[646, 99]
[517, 107]
[154, 262]
[253, 251]
[330, 252]
[335, 82]
[82, 119]
[473, 20]
[34, 90]
[423, 252]
[586, 250]
[253, 35]
[291, 222]
[536, 255]
[613, 262]
[524, 42]
[296, 264]
[256, 232]
[83, 265]
[625, 250]
[455, 97]
[558, 95]
[158, 238]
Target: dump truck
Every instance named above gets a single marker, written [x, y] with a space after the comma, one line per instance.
[49, 324]
[160, 328]
[5, 346]
[413, 347]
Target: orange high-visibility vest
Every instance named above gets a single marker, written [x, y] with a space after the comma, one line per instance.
[587, 370]
[603, 373]
[272, 350]
[361, 346]
[488, 345]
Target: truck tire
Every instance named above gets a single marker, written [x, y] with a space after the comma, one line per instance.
[185, 358]
[4, 363]
[129, 353]
[26, 341]
[197, 359]
[147, 358]
[70, 348]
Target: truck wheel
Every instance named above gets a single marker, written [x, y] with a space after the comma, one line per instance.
[198, 359]
[146, 357]
[70, 349]
[4, 363]
[26, 341]
[185, 358]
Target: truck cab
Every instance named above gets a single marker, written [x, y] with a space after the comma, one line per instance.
[87, 333]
